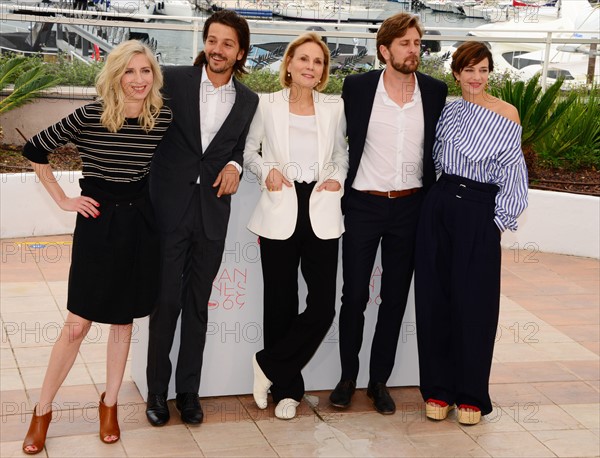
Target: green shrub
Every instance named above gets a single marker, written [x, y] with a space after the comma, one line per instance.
[75, 72]
[28, 77]
[262, 81]
[539, 112]
[266, 81]
[67, 72]
[574, 143]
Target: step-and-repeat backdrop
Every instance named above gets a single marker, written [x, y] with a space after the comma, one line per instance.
[235, 321]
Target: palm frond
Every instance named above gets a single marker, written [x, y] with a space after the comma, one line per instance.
[26, 86]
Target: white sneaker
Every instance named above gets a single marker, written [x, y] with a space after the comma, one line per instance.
[286, 409]
[261, 385]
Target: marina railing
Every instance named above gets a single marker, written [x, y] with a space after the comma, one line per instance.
[103, 30]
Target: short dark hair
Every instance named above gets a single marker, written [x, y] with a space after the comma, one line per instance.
[394, 27]
[240, 25]
[470, 53]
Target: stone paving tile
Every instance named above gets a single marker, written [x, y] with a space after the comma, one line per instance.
[33, 377]
[567, 392]
[585, 370]
[515, 444]
[586, 414]
[28, 304]
[543, 417]
[24, 288]
[10, 449]
[450, 444]
[581, 333]
[168, 441]
[214, 437]
[538, 371]
[83, 446]
[570, 443]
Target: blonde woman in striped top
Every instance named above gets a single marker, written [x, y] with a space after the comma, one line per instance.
[114, 266]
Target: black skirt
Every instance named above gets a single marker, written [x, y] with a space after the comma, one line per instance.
[115, 258]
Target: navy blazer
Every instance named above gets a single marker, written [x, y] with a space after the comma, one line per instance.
[179, 159]
[359, 92]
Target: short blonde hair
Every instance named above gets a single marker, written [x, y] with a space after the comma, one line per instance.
[108, 86]
[310, 37]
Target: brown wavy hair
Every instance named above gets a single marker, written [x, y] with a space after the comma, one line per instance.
[237, 23]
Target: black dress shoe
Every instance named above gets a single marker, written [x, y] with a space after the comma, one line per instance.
[189, 407]
[382, 400]
[157, 410]
[341, 396]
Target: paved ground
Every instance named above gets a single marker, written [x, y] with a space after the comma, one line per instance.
[545, 379]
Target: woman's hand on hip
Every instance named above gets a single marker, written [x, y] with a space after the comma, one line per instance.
[82, 204]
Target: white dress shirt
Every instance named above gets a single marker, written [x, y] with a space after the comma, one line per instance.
[393, 156]
[215, 106]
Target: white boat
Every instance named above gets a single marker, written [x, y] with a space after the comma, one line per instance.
[328, 11]
[518, 11]
[182, 8]
[257, 9]
[442, 6]
[527, 58]
[492, 11]
[130, 7]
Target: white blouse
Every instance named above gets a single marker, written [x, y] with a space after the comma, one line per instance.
[304, 157]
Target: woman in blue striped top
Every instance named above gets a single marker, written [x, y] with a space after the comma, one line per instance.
[482, 189]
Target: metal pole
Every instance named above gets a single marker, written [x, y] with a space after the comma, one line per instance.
[592, 63]
[546, 60]
[195, 40]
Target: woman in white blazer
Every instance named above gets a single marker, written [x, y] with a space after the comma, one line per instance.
[296, 148]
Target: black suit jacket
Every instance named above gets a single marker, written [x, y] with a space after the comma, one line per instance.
[179, 158]
[359, 92]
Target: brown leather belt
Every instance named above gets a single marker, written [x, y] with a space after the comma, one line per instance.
[394, 194]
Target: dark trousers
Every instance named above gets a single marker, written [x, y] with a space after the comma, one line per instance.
[190, 263]
[457, 288]
[371, 220]
[291, 339]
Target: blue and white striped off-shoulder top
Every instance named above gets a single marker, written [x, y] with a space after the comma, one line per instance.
[479, 144]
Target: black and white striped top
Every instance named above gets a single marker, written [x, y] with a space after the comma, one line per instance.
[479, 144]
[123, 156]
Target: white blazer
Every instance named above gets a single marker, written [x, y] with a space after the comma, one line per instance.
[276, 212]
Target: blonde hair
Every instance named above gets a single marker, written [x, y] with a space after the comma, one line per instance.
[310, 37]
[112, 97]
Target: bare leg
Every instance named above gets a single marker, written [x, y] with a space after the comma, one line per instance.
[118, 348]
[63, 356]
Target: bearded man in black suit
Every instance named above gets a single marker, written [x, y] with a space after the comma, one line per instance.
[391, 116]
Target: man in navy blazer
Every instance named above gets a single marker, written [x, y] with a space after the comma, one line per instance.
[391, 117]
[195, 170]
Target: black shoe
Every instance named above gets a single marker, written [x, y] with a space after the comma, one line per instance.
[157, 410]
[189, 407]
[341, 396]
[382, 400]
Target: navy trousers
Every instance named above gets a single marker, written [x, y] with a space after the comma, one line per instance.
[371, 220]
[457, 291]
